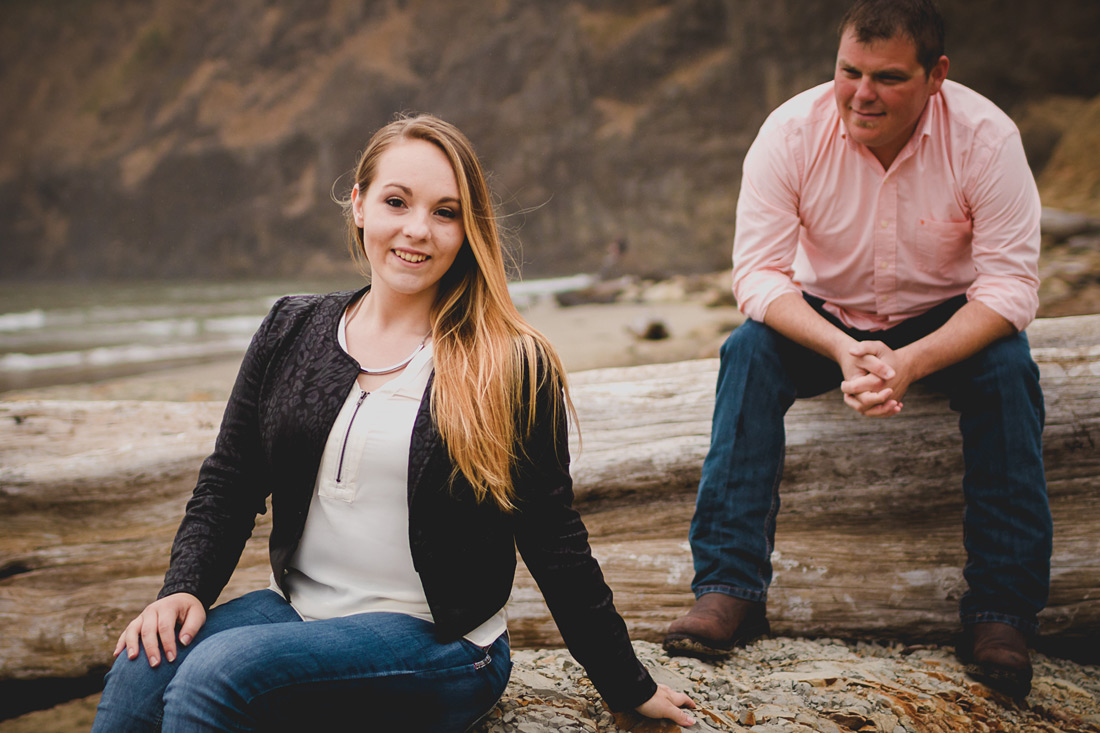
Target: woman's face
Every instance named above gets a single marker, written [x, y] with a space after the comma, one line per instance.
[411, 219]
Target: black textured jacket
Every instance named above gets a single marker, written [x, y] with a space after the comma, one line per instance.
[292, 383]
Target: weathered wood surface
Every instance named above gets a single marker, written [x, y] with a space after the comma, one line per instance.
[869, 540]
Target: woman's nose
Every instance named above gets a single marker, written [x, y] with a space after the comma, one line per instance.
[416, 225]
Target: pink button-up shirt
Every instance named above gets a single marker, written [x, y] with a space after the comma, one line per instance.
[956, 212]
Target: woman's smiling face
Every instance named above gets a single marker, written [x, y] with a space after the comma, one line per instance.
[411, 218]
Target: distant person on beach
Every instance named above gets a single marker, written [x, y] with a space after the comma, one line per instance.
[887, 233]
[411, 436]
[612, 266]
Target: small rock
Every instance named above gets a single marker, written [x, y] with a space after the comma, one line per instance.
[649, 328]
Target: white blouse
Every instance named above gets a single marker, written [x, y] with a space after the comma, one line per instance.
[354, 555]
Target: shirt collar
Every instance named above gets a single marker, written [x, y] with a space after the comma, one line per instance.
[923, 129]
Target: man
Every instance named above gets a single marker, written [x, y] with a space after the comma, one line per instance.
[887, 233]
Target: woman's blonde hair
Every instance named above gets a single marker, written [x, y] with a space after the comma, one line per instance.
[489, 363]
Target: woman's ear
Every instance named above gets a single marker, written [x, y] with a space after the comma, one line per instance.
[357, 206]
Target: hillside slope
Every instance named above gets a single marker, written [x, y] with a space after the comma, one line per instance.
[165, 138]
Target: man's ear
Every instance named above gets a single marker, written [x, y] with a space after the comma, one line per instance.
[938, 74]
[356, 206]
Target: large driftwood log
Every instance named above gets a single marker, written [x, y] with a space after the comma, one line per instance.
[869, 540]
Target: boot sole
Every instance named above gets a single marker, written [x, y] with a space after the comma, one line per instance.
[1014, 683]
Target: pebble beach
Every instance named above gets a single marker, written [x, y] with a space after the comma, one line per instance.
[784, 684]
[775, 685]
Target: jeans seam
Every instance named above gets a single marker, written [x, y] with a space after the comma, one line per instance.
[1016, 622]
[734, 591]
[770, 519]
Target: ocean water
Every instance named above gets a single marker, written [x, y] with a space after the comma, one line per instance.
[63, 333]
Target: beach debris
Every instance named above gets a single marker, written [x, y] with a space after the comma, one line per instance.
[1060, 225]
[649, 328]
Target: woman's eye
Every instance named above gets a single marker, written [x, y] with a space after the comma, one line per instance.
[394, 202]
[447, 213]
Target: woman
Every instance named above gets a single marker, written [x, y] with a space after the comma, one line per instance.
[392, 557]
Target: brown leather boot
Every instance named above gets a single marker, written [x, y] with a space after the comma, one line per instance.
[715, 625]
[996, 654]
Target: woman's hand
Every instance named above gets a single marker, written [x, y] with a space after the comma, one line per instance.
[155, 627]
[667, 703]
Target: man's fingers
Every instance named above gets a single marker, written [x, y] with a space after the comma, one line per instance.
[866, 398]
[875, 366]
[873, 404]
[864, 383]
[886, 409]
[870, 357]
[879, 368]
[855, 404]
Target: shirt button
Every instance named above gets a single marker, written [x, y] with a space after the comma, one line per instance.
[884, 265]
[885, 223]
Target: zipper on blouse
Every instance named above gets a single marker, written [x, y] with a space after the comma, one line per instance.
[344, 447]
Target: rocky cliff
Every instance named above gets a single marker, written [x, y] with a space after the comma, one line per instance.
[199, 138]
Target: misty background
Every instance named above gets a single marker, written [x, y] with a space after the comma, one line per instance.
[205, 140]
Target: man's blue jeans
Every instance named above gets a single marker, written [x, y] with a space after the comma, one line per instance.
[1007, 523]
[255, 665]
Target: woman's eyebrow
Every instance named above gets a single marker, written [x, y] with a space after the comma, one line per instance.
[408, 192]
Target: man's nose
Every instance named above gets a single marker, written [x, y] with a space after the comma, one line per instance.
[866, 90]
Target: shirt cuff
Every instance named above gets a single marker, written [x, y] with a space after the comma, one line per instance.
[1014, 300]
[756, 291]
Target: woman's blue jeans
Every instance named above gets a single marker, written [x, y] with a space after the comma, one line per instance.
[255, 665]
[1007, 523]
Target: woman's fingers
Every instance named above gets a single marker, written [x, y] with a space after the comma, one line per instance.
[149, 636]
[155, 628]
[667, 703]
[194, 618]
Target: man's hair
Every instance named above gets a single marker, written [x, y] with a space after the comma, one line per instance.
[918, 20]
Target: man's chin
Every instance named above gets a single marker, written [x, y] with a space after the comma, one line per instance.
[864, 134]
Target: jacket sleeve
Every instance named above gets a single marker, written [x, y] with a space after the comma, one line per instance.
[553, 541]
[231, 488]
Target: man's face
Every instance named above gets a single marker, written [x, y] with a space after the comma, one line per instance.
[881, 90]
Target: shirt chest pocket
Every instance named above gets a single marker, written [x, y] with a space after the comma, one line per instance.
[942, 246]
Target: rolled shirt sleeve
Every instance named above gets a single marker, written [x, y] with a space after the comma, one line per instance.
[1005, 246]
[767, 231]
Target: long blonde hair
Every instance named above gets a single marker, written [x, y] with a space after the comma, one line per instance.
[489, 362]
